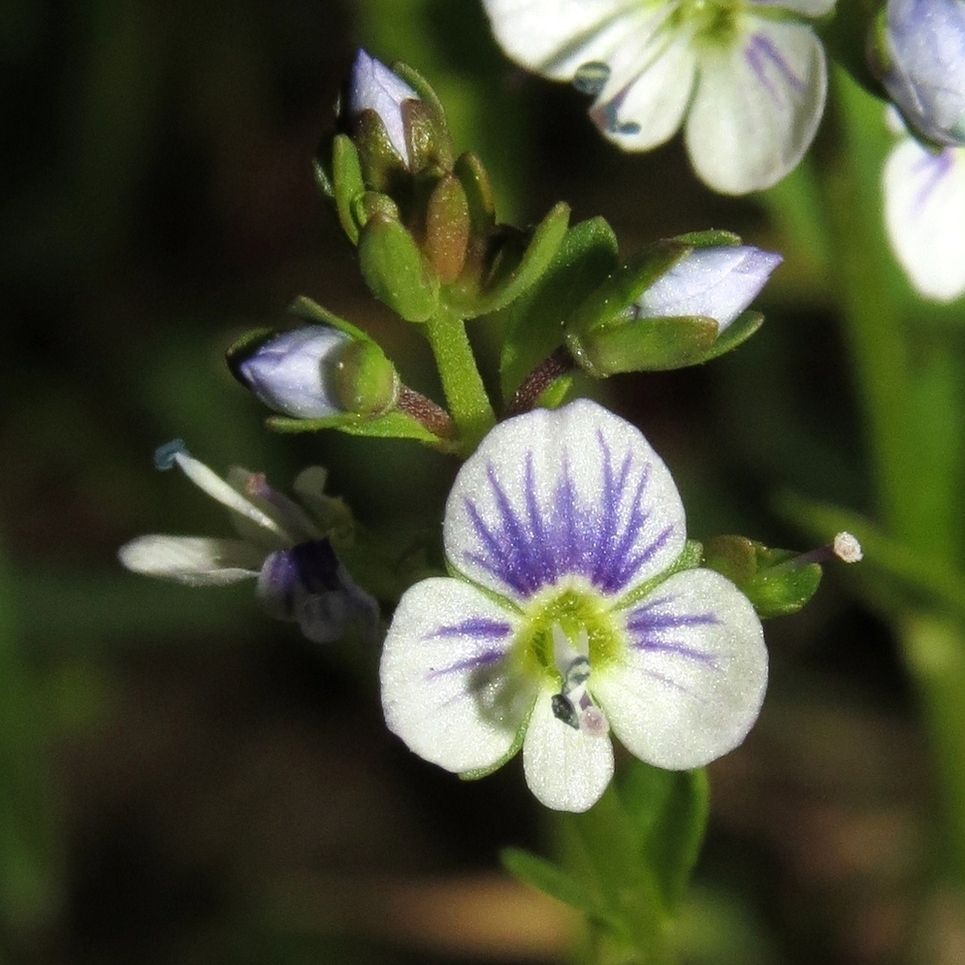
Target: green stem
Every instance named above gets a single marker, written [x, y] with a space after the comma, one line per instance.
[463, 387]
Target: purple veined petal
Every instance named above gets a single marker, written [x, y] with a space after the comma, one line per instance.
[447, 690]
[576, 492]
[757, 105]
[924, 200]
[556, 37]
[566, 768]
[309, 585]
[692, 681]
[191, 560]
[650, 85]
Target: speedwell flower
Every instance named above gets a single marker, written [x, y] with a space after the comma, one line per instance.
[746, 78]
[282, 545]
[566, 619]
[924, 195]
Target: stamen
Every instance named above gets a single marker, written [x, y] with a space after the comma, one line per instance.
[564, 710]
[591, 77]
[211, 483]
[165, 456]
[844, 547]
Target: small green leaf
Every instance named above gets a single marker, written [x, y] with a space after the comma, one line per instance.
[585, 257]
[552, 880]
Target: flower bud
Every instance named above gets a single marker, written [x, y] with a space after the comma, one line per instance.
[919, 53]
[373, 87]
[715, 282]
[315, 372]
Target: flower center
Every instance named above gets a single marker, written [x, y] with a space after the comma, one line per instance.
[712, 21]
[579, 617]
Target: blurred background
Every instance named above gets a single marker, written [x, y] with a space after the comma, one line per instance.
[183, 780]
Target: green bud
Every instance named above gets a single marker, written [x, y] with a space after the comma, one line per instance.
[347, 183]
[773, 580]
[447, 229]
[394, 270]
[366, 382]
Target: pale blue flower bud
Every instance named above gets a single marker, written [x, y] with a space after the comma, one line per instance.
[924, 69]
[295, 372]
[718, 283]
[374, 87]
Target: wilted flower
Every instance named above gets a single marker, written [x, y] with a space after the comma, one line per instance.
[567, 618]
[282, 546]
[746, 79]
[921, 56]
[924, 204]
[717, 283]
[374, 87]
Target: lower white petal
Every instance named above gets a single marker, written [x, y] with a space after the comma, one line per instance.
[446, 688]
[566, 768]
[925, 217]
[691, 684]
[192, 560]
[757, 105]
[645, 98]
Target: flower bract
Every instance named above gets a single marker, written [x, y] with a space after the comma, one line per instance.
[565, 619]
[746, 79]
[283, 546]
[924, 202]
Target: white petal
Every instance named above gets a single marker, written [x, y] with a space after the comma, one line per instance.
[925, 217]
[567, 769]
[446, 689]
[556, 37]
[649, 88]
[192, 560]
[757, 105]
[693, 679]
[576, 492]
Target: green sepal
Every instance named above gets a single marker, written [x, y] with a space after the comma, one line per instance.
[347, 183]
[479, 193]
[310, 311]
[587, 255]
[767, 577]
[366, 382]
[394, 269]
[738, 332]
[242, 348]
[420, 85]
[447, 229]
[391, 425]
[711, 238]
[550, 879]
[427, 136]
[513, 261]
[645, 345]
[382, 165]
[367, 204]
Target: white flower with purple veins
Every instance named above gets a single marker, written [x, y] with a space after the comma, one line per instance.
[924, 195]
[282, 545]
[745, 78]
[565, 619]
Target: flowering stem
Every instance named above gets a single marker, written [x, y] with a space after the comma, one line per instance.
[906, 382]
[432, 416]
[465, 393]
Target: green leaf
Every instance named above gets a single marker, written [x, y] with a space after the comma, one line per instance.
[552, 880]
[670, 809]
[585, 257]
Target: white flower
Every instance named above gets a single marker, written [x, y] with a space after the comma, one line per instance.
[745, 78]
[924, 200]
[281, 545]
[717, 282]
[563, 623]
